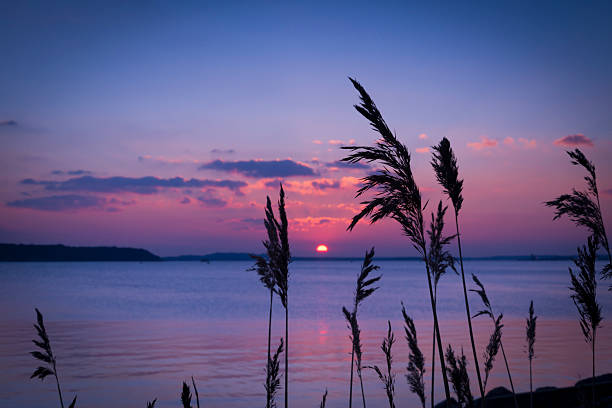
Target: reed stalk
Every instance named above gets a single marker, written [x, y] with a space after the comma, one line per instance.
[364, 290]
[323, 400]
[387, 377]
[151, 404]
[459, 378]
[530, 335]
[416, 360]
[273, 383]
[444, 163]
[186, 396]
[47, 357]
[396, 194]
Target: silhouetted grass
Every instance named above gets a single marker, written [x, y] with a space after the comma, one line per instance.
[530, 335]
[492, 348]
[151, 404]
[323, 400]
[583, 207]
[584, 288]
[47, 357]
[488, 311]
[416, 360]
[364, 289]
[273, 383]
[186, 396]
[387, 377]
[396, 195]
[457, 370]
[445, 166]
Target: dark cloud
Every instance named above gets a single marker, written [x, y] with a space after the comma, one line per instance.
[185, 200]
[347, 165]
[261, 168]
[574, 141]
[142, 185]
[8, 123]
[324, 185]
[223, 151]
[253, 221]
[71, 172]
[276, 183]
[208, 199]
[59, 202]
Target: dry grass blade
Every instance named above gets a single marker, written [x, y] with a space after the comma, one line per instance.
[492, 348]
[364, 284]
[151, 404]
[186, 396]
[457, 373]
[439, 258]
[355, 336]
[323, 400]
[195, 389]
[73, 403]
[530, 334]
[488, 310]
[272, 384]
[387, 378]
[262, 267]
[416, 360]
[445, 166]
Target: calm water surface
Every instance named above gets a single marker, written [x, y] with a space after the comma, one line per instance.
[125, 333]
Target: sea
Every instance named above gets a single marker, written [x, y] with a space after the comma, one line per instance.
[125, 333]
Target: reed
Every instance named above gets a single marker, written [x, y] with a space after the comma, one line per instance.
[584, 294]
[530, 335]
[397, 196]
[416, 360]
[387, 377]
[151, 404]
[439, 261]
[47, 357]
[488, 311]
[266, 276]
[444, 163]
[492, 348]
[459, 377]
[323, 400]
[186, 396]
[584, 208]
[273, 383]
[364, 290]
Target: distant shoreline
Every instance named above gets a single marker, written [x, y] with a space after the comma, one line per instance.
[63, 253]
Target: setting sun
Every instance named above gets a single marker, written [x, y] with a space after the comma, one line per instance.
[322, 248]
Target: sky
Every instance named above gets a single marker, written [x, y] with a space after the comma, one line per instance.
[165, 126]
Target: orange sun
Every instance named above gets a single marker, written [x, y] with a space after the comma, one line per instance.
[322, 248]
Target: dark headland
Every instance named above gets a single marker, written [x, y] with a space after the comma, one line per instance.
[62, 253]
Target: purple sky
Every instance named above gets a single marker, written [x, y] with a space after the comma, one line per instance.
[165, 126]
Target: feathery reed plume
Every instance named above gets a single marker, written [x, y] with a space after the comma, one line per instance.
[273, 382]
[388, 378]
[444, 163]
[47, 357]
[492, 348]
[439, 261]
[323, 400]
[457, 373]
[397, 195]
[584, 295]
[266, 276]
[488, 311]
[279, 255]
[186, 396]
[416, 360]
[195, 389]
[364, 289]
[583, 207]
[151, 404]
[530, 334]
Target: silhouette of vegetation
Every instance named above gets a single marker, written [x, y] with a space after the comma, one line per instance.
[151, 404]
[492, 348]
[195, 389]
[488, 311]
[416, 360]
[530, 335]
[396, 194]
[186, 396]
[323, 400]
[273, 383]
[387, 378]
[47, 357]
[584, 294]
[457, 373]
[445, 166]
[364, 289]
[584, 208]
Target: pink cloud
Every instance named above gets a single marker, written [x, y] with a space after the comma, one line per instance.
[574, 141]
[509, 141]
[528, 143]
[422, 149]
[484, 143]
[336, 142]
[317, 142]
[422, 136]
